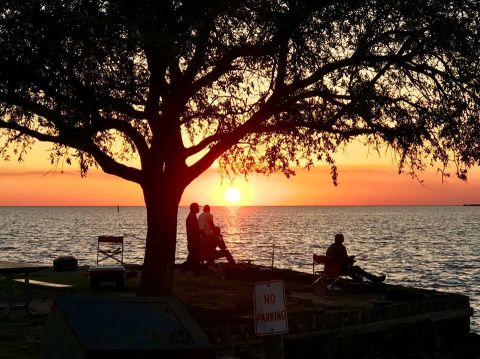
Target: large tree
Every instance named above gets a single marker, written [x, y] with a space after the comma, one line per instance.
[156, 91]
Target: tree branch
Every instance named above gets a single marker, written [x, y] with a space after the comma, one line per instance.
[11, 125]
[224, 64]
[108, 164]
[129, 131]
[198, 59]
[227, 140]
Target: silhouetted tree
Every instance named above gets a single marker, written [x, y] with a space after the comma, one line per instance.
[261, 86]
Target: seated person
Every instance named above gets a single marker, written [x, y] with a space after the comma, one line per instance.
[210, 245]
[338, 262]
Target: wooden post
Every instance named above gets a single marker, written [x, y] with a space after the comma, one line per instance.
[273, 346]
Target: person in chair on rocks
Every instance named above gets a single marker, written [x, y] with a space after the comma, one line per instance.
[338, 262]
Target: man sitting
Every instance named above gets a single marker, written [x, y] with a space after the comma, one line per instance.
[210, 244]
[338, 262]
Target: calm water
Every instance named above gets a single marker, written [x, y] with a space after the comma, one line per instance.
[428, 247]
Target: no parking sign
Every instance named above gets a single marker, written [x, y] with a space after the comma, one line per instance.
[270, 311]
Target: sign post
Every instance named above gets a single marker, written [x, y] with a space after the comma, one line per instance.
[270, 316]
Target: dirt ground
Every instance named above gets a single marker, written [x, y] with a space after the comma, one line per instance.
[218, 297]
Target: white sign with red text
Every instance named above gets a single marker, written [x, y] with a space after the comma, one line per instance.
[270, 311]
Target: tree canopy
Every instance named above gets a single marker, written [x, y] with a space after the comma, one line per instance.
[261, 86]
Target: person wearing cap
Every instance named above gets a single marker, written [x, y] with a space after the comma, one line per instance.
[339, 262]
[193, 241]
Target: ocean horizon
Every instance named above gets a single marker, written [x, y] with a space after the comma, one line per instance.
[265, 205]
[425, 246]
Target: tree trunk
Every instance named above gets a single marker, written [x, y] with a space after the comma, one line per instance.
[162, 200]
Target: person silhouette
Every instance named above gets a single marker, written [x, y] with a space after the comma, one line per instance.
[340, 263]
[214, 247]
[205, 222]
[193, 241]
[212, 239]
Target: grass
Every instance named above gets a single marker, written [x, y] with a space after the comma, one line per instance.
[20, 334]
[210, 298]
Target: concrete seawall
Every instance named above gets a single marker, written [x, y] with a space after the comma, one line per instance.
[356, 321]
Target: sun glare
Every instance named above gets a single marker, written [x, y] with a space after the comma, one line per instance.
[232, 195]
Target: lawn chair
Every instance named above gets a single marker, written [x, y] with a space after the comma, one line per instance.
[328, 278]
[110, 247]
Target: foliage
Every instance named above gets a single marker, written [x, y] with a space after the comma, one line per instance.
[259, 85]
[263, 84]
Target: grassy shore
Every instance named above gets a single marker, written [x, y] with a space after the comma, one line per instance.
[213, 300]
[20, 334]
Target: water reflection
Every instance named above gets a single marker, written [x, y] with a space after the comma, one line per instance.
[429, 247]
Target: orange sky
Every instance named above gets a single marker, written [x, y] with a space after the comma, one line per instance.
[362, 181]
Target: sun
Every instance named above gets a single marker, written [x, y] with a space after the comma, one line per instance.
[232, 195]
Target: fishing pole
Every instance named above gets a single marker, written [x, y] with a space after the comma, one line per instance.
[362, 253]
[372, 250]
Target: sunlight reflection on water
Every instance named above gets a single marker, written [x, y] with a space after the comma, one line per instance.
[427, 247]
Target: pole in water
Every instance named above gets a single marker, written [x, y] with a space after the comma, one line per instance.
[118, 209]
[273, 254]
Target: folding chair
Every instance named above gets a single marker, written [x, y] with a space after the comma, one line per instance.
[110, 247]
[331, 277]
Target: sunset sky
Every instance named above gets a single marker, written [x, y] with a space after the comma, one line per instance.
[364, 179]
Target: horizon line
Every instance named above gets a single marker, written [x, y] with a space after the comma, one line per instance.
[261, 205]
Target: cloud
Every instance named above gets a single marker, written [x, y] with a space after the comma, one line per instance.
[37, 173]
